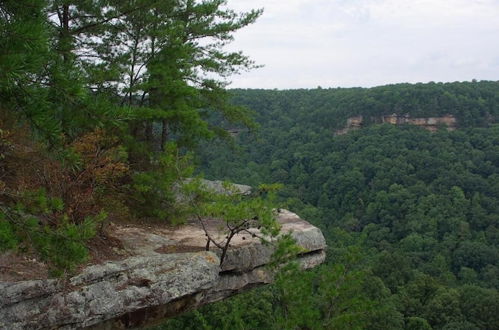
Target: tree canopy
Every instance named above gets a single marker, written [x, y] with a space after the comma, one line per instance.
[102, 102]
[410, 216]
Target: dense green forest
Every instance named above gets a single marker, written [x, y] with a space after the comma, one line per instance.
[411, 217]
[472, 103]
[101, 105]
[107, 105]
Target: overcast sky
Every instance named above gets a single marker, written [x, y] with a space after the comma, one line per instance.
[345, 43]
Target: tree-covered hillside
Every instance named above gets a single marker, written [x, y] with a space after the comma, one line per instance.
[411, 217]
[472, 103]
[103, 104]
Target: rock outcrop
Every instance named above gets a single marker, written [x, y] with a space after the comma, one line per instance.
[353, 123]
[429, 123]
[167, 271]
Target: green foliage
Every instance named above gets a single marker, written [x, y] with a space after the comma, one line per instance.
[480, 306]
[329, 297]
[421, 207]
[8, 238]
[236, 213]
[98, 102]
[472, 103]
[417, 323]
[285, 251]
[154, 192]
[62, 246]
[234, 207]
[252, 310]
[38, 202]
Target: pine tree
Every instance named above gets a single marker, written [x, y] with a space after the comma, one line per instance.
[23, 55]
[107, 92]
[169, 65]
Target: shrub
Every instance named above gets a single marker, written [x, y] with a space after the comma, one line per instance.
[51, 201]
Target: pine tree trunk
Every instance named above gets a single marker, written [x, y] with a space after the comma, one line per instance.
[65, 35]
[164, 134]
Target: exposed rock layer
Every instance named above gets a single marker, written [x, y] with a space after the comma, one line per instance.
[167, 273]
[429, 123]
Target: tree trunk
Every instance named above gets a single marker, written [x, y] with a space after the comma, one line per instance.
[65, 41]
[164, 134]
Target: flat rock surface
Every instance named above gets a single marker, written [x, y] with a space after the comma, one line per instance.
[247, 251]
[166, 271]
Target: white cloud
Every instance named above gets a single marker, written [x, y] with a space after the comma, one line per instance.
[369, 42]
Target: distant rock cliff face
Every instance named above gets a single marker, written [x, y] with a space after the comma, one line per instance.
[430, 123]
[166, 272]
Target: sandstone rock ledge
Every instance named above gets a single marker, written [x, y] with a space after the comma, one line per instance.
[166, 273]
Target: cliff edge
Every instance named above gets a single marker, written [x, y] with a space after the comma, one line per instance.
[165, 272]
[431, 124]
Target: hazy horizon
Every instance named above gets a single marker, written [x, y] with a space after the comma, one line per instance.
[364, 87]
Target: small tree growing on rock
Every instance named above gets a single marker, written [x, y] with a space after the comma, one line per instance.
[232, 213]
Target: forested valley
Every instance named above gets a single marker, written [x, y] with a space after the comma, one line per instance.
[107, 106]
[410, 216]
